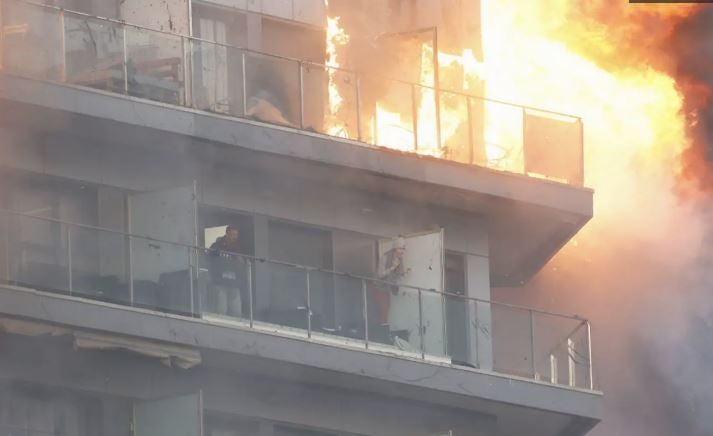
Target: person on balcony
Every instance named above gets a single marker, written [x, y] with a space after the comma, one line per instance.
[227, 291]
[391, 269]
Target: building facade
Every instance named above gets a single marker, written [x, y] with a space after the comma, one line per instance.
[197, 240]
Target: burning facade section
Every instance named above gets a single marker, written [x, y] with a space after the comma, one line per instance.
[280, 218]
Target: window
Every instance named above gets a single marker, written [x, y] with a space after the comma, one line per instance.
[37, 411]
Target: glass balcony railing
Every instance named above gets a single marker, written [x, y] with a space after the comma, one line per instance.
[295, 300]
[54, 44]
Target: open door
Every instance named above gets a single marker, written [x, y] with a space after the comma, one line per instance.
[162, 271]
[423, 265]
[174, 416]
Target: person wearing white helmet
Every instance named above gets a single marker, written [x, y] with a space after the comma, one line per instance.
[391, 269]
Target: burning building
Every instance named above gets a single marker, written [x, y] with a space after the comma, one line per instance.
[278, 217]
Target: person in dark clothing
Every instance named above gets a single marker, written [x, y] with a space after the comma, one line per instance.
[227, 293]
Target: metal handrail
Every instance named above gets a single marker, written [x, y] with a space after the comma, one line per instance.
[256, 259]
[299, 61]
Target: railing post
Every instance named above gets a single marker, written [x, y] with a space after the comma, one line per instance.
[62, 48]
[589, 350]
[300, 76]
[365, 313]
[532, 344]
[309, 306]
[187, 50]
[414, 114]
[571, 364]
[250, 291]
[8, 273]
[191, 275]
[2, 35]
[245, 83]
[581, 152]
[358, 105]
[476, 323]
[471, 139]
[524, 135]
[69, 259]
[554, 372]
[420, 325]
[130, 270]
[437, 88]
[125, 58]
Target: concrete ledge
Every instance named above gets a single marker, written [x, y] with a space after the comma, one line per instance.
[323, 364]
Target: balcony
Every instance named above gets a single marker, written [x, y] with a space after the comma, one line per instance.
[309, 304]
[90, 52]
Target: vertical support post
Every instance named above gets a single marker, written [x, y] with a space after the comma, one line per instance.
[358, 106]
[524, 136]
[471, 140]
[532, 344]
[420, 325]
[2, 35]
[437, 87]
[414, 114]
[130, 269]
[365, 313]
[187, 49]
[580, 182]
[125, 59]
[300, 76]
[191, 276]
[444, 322]
[376, 126]
[589, 351]
[571, 364]
[69, 260]
[309, 306]
[129, 250]
[8, 273]
[554, 371]
[62, 48]
[245, 83]
[250, 291]
[476, 324]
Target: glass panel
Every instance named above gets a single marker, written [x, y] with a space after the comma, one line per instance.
[100, 265]
[217, 78]
[94, 52]
[455, 129]
[272, 89]
[32, 40]
[427, 121]
[281, 297]
[403, 324]
[512, 352]
[459, 330]
[154, 65]
[337, 307]
[330, 101]
[503, 137]
[553, 146]
[38, 254]
[162, 277]
[224, 283]
[579, 354]
[387, 113]
[551, 333]
[434, 327]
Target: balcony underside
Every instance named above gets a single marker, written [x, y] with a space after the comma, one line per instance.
[528, 219]
[520, 406]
